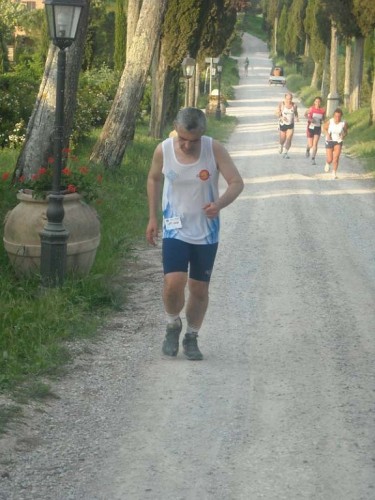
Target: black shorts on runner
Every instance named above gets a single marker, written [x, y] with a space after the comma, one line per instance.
[284, 128]
[179, 256]
[332, 144]
[313, 131]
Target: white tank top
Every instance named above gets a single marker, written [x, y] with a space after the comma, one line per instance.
[335, 130]
[287, 115]
[187, 188]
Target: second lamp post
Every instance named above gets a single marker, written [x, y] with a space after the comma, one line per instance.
[188, 68]
[219, 69]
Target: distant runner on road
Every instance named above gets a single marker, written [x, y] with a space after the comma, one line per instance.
[246, 66]
[287, 113]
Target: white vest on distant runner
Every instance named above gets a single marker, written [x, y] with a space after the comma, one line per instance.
[187, 188]
[335, 130]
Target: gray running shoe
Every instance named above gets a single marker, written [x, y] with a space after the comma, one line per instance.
[313, 162]
[190, 346]
[170, 343]
[286, 155]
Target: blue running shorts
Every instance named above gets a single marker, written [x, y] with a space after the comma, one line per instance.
[179, 256]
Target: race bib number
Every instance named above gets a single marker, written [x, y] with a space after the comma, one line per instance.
[173, 223]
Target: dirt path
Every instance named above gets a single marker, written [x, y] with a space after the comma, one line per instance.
[282, 407]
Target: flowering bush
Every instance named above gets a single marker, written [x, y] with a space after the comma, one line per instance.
[75, 178]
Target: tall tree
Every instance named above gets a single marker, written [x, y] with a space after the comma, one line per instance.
[317, 28]
[119, 127]
[39, 142]
[295, 33]
[181, 33]
[134, 9]
[364, 13]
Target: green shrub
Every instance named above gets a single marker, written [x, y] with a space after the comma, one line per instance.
[18, 93]
[97, 88]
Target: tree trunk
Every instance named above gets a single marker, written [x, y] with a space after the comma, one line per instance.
[160, 81]
[134, 9]
[324, 87]
[315, 76]
[372, 108]
[348, 67]
[333, 97]
[307, 47]
[39, 142]
[275, 26]
[357, 74]
[119, 127]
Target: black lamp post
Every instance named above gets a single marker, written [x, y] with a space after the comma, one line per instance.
[219, 69]
[63, 18]
[188, 68]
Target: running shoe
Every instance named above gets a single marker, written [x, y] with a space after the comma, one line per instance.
[286, 155]
[170, 343]
[313, 162]
[307, 152]
[190, 346]
[326, 167]
[334, 176]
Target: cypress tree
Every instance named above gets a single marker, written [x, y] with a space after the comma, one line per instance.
[120, 36]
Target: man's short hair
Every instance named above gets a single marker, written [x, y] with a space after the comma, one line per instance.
[191, 119]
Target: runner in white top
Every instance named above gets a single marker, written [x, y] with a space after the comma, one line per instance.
[335, 130]
[287, 112]
[190, 163]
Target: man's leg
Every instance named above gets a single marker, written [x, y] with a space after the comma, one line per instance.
[197, 303]
[174, 299]
[196, 308]
[282, 137]
[288, 141]
[201, 265]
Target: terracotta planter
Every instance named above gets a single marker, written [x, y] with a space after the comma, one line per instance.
[24, 223]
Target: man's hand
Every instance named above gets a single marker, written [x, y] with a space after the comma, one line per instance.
[211, 210]
[152, 232]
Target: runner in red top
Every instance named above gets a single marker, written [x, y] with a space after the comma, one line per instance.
[315, 116]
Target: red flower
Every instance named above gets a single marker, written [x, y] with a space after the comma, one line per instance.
[66, 151]
[84, 170]
[21, 178]
[42, 170]
[34, 177]
[5, 176]
[51, 160]
[71, 188]
[66, 171]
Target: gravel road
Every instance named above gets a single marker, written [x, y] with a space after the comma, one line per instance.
[282, 407]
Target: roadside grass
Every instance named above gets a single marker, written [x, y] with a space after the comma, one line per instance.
[35, 324]
[360, 140]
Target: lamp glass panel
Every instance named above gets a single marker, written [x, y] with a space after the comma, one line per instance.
[66, 20]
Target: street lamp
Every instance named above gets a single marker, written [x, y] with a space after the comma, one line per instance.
[63, 18]
[219, 69]
[188, 68]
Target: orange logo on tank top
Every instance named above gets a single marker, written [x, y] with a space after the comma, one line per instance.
[204, 175]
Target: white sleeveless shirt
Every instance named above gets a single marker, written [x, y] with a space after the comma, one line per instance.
[187, 188]
[335, 130]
